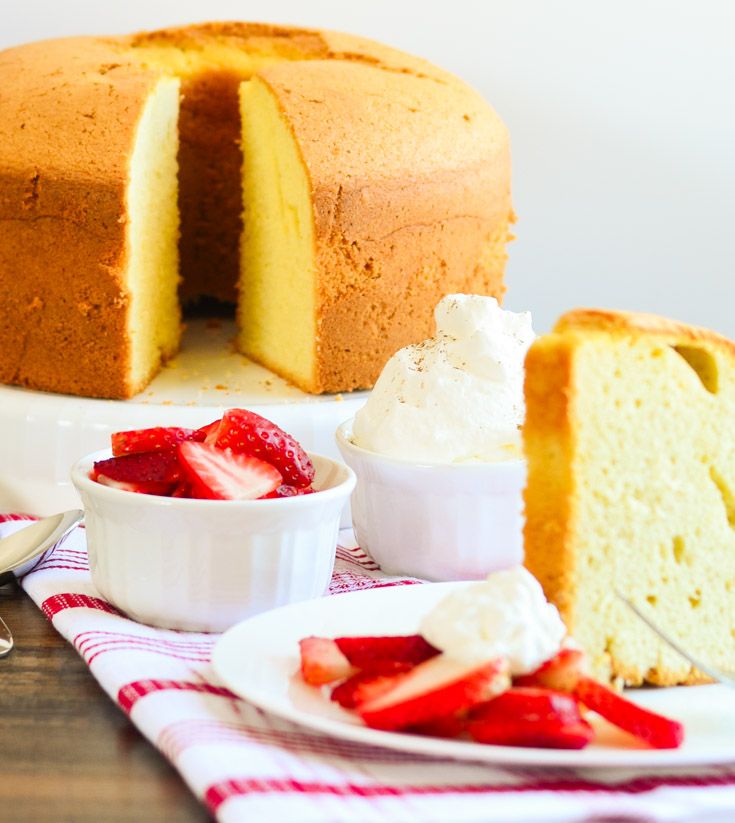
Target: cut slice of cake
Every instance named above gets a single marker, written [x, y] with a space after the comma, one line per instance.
[151, 276]
[630, 441]
[358, 220]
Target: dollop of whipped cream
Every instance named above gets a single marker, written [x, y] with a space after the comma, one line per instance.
[456, 397]
[506, 615]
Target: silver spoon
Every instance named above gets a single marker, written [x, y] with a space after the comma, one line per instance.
[18, 548]
[6, 639]
[726, 678]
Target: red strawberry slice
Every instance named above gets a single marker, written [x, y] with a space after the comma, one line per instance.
[182, 489]
[245, 432]
[531, 717]
[385, 655]
[290, 491]
[220, 474]
[208, 433]
[361, 688]
[148, 467]
[562, 672]
[322, 662]
[437, 688]
[658, 731]
[450, 726]
[150, 487]
[148, 440]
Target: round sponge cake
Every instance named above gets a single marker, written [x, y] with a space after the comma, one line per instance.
[334, 188]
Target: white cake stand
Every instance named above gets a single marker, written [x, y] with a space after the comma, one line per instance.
[42, 434]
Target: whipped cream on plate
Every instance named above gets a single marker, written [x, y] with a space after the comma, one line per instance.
[456, 397]
[506, 615]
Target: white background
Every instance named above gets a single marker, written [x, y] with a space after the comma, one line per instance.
[622, 115]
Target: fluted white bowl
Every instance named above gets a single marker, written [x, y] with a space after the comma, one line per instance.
[204, 565]
[438, 521]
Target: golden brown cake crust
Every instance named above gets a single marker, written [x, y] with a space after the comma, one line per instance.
[410, 182]
[627, 322]
[68, 115]
[410, 172]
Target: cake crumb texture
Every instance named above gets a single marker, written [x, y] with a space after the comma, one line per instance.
[630, 441]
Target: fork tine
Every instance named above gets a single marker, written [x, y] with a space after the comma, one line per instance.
[710, 671]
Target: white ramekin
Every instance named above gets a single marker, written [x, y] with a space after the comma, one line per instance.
[438, 521]
[204, 565]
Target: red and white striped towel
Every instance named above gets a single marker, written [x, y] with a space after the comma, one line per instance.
[247, 765]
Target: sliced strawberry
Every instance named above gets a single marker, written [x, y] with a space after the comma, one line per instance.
[385, 655]
[220, 474]
[361, 688]
[562, 672]
[435, 689]
[208, 433]
[142, 487]
[148, 440]
[658, 731]
[531, 717]
[148, 467]
[290, 491]
[182, 489]
[322, 662]
[449, 726]
[245, 432]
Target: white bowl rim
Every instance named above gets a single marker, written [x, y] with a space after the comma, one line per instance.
[344, 432]
[80, 478]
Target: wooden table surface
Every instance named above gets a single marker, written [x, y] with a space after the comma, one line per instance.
[66, 751]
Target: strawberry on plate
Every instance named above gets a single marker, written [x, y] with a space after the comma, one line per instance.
[658, 731]
[438, 688]
[220, 474]
[386, 654]
[148, 440]
[322, 661]
[530, 717]
[147, 473]
[360, 688]
[245, 432]
[450, 726]
[562, 672]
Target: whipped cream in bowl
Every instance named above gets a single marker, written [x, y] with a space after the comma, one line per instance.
[437, 448]
[457, 397]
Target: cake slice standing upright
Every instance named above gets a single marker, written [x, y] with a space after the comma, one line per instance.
[630, 440]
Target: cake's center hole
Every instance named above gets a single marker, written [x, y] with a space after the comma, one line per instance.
[210, 199]
[703, 363]
[210, 156]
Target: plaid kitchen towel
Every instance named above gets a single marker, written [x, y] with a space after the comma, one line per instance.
[245, 764]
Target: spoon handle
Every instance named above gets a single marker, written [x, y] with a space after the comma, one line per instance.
[6, 639]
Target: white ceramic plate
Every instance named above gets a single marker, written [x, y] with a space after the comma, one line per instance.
[258, 659]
